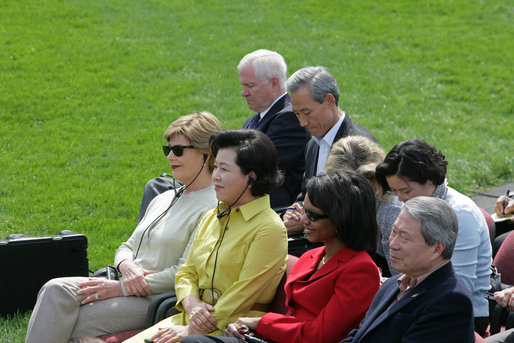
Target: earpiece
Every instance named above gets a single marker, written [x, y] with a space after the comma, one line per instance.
[228, 209]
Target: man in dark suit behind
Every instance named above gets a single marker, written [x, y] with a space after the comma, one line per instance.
[262, 75]
[427, 303]
[315, 98]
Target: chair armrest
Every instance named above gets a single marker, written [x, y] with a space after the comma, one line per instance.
[509, 323]
[163, 308]
[154, 305]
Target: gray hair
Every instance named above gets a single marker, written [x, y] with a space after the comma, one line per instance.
[266, 64]
[438, 221]
[319, 80]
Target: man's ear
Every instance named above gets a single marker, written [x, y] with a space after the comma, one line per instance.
[330, 99]
[439, 248]
[275, 82]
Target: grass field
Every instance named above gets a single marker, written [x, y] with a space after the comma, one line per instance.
[89, 87]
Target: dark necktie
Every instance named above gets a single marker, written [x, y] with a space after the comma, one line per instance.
[255, 120]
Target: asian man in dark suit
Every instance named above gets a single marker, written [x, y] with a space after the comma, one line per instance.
[428, 302]
[315, 98]
[262, 74]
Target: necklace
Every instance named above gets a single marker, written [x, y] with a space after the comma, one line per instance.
[323, 260]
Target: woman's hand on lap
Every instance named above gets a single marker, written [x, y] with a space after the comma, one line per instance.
[134, 278]
[99, 289]
[171, 334]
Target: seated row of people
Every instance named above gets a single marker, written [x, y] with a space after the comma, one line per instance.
[149, 261]
[330, 195]
[330, 287]
[426, 303]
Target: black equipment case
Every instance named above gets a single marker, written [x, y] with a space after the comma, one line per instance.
[28, 263]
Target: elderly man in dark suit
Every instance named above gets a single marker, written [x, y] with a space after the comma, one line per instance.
[427, 303]
[315, 98]
[262, 75]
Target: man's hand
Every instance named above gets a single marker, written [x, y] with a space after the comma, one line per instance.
[293, 219]
[505, 298]
[500, 210]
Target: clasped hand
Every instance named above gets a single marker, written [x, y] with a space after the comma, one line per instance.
[505, 298]
[134, 278]
[201, 320]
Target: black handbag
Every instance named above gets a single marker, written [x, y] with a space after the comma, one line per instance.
[109, 272]
[496, 280]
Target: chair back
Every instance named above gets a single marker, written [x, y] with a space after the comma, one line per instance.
[503, 260]
[490, 224]
[279, 301]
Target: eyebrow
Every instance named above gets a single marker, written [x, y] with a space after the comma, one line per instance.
[222, 163]
[302, 110]
[399, 231]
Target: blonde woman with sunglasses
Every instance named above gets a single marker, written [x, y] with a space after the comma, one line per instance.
[148, 260]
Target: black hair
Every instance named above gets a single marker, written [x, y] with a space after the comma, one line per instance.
[415, 160]
[254, 152]
[349, 202]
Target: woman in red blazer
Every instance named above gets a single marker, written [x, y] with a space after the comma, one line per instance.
[330, 287]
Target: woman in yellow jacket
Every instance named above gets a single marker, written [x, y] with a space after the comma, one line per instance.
[239, 252]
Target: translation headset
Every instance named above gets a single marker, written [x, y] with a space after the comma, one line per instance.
[220, 215]
[228, 209]
[178, 194]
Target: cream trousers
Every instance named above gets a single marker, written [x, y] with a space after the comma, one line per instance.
[58, 314]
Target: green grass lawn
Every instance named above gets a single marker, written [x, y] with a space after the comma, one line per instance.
[87, 89]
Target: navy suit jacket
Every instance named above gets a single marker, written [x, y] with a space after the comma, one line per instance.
[348, 128]
[283, 128]
[438, 310]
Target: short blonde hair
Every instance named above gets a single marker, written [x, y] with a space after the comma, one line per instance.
[359, 154]
[197, 128]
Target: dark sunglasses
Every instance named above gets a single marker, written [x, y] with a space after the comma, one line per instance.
[313, 216]
[178, 150]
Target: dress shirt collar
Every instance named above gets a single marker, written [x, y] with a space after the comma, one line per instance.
[263, 113]
[408, 284]
[250, 209]
[325, 144]
[331, 134]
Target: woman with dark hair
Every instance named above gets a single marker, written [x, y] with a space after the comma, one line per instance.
[330, 287]
[239, 253]
[362, 155]
[414, 168]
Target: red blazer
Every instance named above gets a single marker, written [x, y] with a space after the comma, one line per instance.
[325, 304]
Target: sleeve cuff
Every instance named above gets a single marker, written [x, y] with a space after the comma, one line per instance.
[123, 289]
